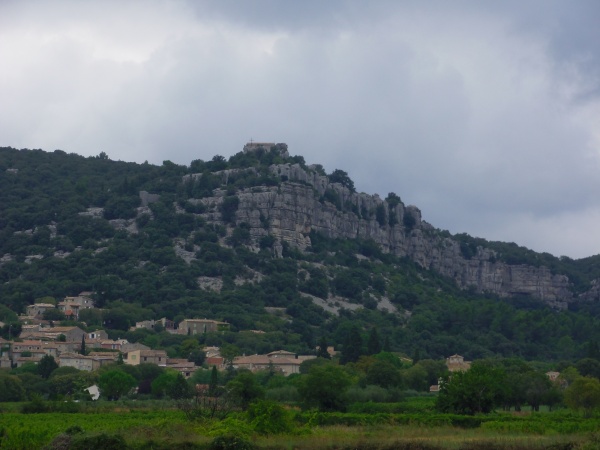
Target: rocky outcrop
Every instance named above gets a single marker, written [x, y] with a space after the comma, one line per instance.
[593, 294]
[306, 201]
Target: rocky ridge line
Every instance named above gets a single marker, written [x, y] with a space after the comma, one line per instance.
[292, 210]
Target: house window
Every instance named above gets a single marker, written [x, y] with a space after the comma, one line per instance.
[145, 358]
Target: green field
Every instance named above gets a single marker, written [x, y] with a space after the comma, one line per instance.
[125, 426]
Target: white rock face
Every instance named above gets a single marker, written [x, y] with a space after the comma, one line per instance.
[290, 212]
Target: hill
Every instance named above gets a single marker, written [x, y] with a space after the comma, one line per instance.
[270, 244]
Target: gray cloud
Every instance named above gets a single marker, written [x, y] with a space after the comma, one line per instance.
[483, 115]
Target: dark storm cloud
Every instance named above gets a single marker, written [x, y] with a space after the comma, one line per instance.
[483, 114]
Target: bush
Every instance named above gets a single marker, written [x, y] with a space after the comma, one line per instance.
[283, 394]
[101, 441]
[231, 442]
[268, 417]
[35, 406]
[228, 208]
[370, 393]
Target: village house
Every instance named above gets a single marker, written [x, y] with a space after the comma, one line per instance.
[457, 363]
[289, 355]
[552, 375]
[37, 347]
[83, 300]
[54, 334]
[143, 325]
[253, 146]
[67, 346]
[165, 323]
[200, 326]
[94, 339]
[71, 306]
[183, 366]
[283, 361]
[5, 361]
[255, 363]
[5, 354]
[136, 357]
[454, 363]
[22, 360]
[28, 329]
[131, 346]
[114, 356]
[33, 321]
[97, 334]
[117, 344]
[37, 310]
[213, 357]
[217, 361]
[83, 362]
[211, 351]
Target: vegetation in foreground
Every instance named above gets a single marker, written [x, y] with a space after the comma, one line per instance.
[272, 427]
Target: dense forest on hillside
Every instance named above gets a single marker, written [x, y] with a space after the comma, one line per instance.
[48, 248]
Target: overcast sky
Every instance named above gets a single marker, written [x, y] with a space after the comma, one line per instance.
[484, 114]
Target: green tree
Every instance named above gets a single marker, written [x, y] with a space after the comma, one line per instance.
[69, 383]
[435, 370]
[536, 387]
[380, 214]
[46, 366]
[477, 390]
[213, 385]
[393, 200]
[416, 378]
[268, 417]
[383, 373]
[171, 384]
[322, 349]
[352, 348]
[584, 394]
[228, 208]
[244, 389]
[115, 383]
[373, 343]
[228, 352]
[325, 387]
[11, 388]
[53, 314]
[339, 176]
[588, 367]
[82, 348]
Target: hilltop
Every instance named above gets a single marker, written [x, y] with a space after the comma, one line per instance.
[269, 243]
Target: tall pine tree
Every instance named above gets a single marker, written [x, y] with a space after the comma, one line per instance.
[352, 349]
[322, 350]
[82, 349]
[373, 344]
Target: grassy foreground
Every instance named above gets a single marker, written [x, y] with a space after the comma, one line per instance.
[168, 429]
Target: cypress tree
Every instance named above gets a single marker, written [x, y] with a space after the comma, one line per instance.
[322, 351]
[387, 347]
[82, 349]
[352, 349]
[373, 344]
[214, 382]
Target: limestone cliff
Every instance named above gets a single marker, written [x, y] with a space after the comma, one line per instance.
[306, 201]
